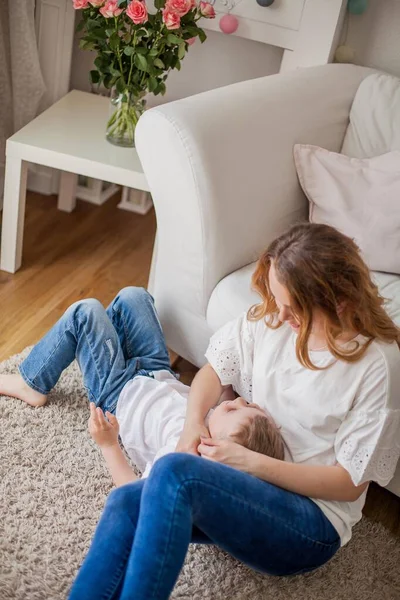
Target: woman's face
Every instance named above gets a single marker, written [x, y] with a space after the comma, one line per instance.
[285, 303]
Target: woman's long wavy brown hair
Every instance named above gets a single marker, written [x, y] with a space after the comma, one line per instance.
[322, 268]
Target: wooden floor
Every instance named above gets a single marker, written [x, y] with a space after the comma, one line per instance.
[94, 252]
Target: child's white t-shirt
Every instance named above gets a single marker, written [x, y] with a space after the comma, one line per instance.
[151, 415]
[346, 414]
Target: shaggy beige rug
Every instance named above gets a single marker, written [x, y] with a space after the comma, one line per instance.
[53, 488]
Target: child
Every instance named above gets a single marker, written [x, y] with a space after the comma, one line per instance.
[152, 429]
[125, 364]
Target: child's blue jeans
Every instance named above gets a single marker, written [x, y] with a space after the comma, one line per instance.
[143, 535]
[111, 346]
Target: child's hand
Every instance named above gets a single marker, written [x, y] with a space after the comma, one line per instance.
[104, 433]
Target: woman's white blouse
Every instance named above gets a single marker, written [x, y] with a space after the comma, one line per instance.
[347, 414]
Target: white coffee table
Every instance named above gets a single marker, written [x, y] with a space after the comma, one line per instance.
[70, 136]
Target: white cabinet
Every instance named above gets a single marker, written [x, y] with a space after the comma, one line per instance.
[307, 30]
[276, 24]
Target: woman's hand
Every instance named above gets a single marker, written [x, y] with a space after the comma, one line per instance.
[226, 452]
[104, 432]
[190, 438]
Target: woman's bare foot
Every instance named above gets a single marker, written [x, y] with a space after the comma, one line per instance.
[15, 386]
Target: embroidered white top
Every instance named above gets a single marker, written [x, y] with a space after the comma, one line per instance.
[346, 414]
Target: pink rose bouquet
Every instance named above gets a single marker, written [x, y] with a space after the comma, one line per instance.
[137, 49]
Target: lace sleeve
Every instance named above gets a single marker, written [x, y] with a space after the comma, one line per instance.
[371, 451]
[367, 443]
[230, 353]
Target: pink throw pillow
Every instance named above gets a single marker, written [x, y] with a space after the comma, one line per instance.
[358, 196]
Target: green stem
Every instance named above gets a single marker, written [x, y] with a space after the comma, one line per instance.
[122, 124]
[118, 52]
[130, 70]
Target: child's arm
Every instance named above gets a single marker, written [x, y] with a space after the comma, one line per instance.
[118, 466]
[105, 434]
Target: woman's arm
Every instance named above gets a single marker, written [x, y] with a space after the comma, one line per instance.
[325, 483]
[205, 391]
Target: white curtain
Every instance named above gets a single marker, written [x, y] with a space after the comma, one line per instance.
[21, 82]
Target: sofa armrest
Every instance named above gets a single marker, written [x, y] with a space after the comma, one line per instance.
[221, 171]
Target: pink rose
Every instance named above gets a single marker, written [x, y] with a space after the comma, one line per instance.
[191, 41]
[137, 11]
[180, 7]
[96, 2]
[207, 10]
[80, 4]
[171, 19]
[110, 9]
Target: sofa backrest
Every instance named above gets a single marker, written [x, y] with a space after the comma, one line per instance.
[374, 129]
[374, 118]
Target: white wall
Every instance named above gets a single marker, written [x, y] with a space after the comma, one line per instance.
[375, 36]
[221, 60]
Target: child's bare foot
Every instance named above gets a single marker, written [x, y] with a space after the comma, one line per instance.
[15, 386]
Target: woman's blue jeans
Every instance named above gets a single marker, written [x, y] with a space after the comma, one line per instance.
[144, 532]
[143, 535]
[111, 346]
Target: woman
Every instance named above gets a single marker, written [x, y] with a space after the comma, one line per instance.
[320, 353]
[322, 356]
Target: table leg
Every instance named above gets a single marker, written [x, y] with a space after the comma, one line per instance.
[13, 214]
[67, 191]
[135, 201]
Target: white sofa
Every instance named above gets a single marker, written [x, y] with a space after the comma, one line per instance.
[221, 172]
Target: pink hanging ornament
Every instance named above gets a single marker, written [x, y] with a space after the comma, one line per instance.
[228, 23]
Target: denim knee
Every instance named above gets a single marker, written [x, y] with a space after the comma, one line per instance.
[134, 294]
[119, 500]
[179, 466]
[86, 306]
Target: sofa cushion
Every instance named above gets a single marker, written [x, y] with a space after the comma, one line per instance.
[374, 118]
[389, 288]
[357, 196]
[231, 296]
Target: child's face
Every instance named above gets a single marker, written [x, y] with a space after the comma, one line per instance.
[229, 416]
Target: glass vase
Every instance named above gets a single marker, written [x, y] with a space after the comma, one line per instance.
[126, 109]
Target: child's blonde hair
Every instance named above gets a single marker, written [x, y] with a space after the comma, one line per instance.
[260, 435]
